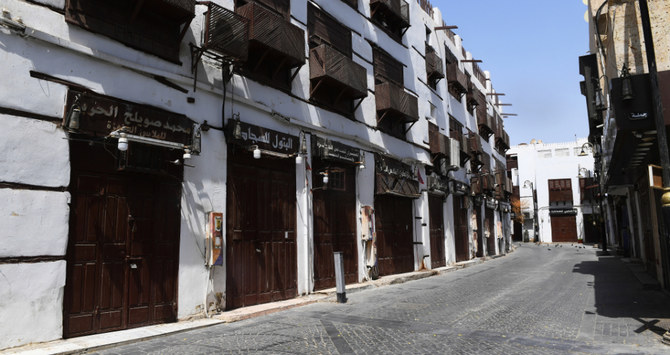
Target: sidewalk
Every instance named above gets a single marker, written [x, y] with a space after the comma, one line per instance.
[100, 341]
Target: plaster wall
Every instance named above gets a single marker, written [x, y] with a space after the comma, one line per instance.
[31, 298]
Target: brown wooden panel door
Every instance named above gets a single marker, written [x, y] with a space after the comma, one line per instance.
[261, 241]
[123, 247]
[334, 228]
[563, 228]
[489, 228]
[461, 240]
[395, 247]
[437, 254]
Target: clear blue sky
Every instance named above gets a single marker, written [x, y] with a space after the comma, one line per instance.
[531, 49]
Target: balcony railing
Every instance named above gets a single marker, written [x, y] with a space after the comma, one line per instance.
[226, 32]
[397, 8]
[273, 32]
[392, 100]
[434, 68]
[327, 66]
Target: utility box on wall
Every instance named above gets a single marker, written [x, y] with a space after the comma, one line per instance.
[215, 239]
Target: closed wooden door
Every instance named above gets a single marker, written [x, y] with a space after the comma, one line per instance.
[393, 219]
[123, 247]
[564, 228]
[461, 240]
[490, 231]
[334, 224]
[437, 254]
[261, 240]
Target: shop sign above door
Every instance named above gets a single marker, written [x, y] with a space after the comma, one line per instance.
[100, 115]
[327, 149]
[265, 139]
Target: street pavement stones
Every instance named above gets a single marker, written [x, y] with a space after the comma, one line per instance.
[538, 300]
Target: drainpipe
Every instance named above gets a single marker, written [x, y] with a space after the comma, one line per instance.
[660, 135]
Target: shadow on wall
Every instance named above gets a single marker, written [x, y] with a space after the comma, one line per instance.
[618, 294]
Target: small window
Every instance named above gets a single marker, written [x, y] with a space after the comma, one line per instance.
[562, 152]
[544, 153]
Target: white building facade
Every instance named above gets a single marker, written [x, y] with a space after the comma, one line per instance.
[556, 191]
[172, 159]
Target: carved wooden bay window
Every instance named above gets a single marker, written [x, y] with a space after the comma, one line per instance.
[456, 132]
[457, 79]
[475, 150]
[226, 32]
[439, 143]
[395, 107]
[434, 69]
[153, 26]
[392, 16]
[276, 46]
[560, 191]
[336, 80]
[486, 128]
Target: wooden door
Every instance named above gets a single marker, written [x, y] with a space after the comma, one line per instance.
[395, 244]
[123, 247]
[334, 224]
[261, 240]
[490, 231]
[564, 229]
[461, 240]
[437, 254]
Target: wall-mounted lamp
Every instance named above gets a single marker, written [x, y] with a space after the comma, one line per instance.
[73, 116]
[256, 151]
[583, 152]
[361, 162]
[237, 130]
[187, 154]
[325, 177]
[626, 84]
[303, 149]
[122, 145]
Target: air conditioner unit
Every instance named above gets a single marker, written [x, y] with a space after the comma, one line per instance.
[454, 154]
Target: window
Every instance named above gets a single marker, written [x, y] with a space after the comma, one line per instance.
[153, 26]
[560, 191]
[336, 80]
[392, 16]
[276, 46]
[544, 153]
[562, 152]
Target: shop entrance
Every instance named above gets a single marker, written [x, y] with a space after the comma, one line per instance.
[123, 248]
[563, 229]
[334, 222]
[461, 240]
[260, 232]
[393, 216]
[437, 254]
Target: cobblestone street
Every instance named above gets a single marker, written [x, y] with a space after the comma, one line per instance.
[536, 300]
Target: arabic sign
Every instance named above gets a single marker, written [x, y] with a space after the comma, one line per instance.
[437, 183]
[327, 149]
[394, 167]
[562, 211]
[101, 115]
[395, 178]
[265, 139]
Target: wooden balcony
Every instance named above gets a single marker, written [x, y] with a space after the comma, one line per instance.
[328, 66]
[434, 68]
[457, 79]
[439, 143]
[274, 36]
[226, 32]
[397, 10]
[394, 102]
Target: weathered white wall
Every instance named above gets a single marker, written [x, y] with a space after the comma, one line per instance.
[31, 301]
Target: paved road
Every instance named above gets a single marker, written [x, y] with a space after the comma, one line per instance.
[537, 300]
